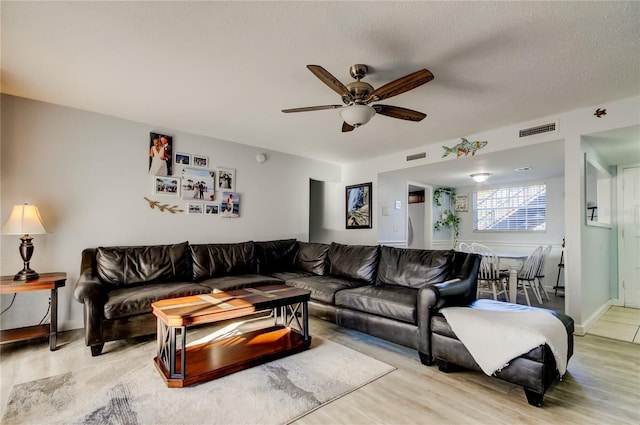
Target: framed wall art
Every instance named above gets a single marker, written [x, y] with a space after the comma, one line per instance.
[211, 209]
[226, 179]
[461, 203]
[160, 154]
[195, 208]
[358, 206]
[230, 205]
[183, 159]
[164, 185]
[198, 184]
[200, 161]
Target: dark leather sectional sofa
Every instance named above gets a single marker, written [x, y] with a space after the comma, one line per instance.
[386, 292]
[391, 293]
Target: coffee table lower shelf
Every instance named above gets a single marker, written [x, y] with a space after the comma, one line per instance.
[222, 357]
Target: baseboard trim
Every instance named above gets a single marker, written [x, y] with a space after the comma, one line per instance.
[583, 328]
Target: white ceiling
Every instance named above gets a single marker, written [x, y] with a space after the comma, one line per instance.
[226, 69]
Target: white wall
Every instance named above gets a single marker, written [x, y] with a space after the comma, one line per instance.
[88, 175]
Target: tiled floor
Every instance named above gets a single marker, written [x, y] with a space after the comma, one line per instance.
[619, 323]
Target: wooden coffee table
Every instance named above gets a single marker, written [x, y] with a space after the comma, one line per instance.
[181, 365]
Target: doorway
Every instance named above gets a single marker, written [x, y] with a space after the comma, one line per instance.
[418, 216]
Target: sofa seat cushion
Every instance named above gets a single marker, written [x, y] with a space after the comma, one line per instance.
[391, 301]
[284, 276]
[227, 283]
[413, 267]
[133, 265]
[324, 288]
[212, 260]
[134, 300]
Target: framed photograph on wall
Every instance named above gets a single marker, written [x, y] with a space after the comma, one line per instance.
[226, 179]
[461, 203]
[195, 208]
[164, 185]
[230, 205]
[160, 154]
[358, 206]
[200, 161]
[183, 158]
[198, 184]
[210, 209]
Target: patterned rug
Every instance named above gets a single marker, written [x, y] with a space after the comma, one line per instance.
[274, 393]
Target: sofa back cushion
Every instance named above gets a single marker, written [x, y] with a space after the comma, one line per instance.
[212, 260]
[413, 267]
[275, 256]
[358, 262]
[133, 265]
[312, 258]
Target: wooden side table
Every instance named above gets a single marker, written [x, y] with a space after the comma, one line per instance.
[51, 281]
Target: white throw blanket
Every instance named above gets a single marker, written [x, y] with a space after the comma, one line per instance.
[494, 338]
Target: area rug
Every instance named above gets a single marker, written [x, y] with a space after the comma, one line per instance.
[274, 393]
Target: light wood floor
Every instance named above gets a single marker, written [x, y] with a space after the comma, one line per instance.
[602, 385]
[619, 323]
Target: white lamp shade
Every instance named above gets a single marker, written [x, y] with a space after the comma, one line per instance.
[357, 115]
[24, 220]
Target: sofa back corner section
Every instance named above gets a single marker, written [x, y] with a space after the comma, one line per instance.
[275, 255]
[214, 260]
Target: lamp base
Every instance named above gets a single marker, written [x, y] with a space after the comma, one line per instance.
[26, 274]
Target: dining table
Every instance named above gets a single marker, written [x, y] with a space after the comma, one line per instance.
[513, 263]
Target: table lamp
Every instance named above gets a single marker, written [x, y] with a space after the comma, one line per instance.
[25, 220]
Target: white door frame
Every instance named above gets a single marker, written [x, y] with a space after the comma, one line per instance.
[619, 224]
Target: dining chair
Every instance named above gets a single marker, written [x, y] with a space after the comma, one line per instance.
[540, 272]
[527, 275]
[464, 247]
[490, 281]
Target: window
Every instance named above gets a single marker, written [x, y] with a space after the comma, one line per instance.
[511, 208]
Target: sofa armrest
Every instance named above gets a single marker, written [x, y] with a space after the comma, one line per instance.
[92, 293]
[460, 290]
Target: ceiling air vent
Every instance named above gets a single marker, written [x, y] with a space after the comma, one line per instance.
[416, 156]
[544, 128]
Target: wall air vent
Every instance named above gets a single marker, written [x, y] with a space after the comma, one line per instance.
[416, 156]
[539, 129]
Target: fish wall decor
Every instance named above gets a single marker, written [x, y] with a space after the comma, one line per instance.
[464, 148]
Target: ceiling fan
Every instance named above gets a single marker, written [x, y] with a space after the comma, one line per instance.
[357, 96]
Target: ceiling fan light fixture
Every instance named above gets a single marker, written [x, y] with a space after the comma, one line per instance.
[480, 177]
[357, 115]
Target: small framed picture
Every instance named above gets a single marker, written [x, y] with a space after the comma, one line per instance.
[226, 179]
[358, 206]
[195, 208]
[160, 154]
[183, 158]
[211, 209]
[230, 205]
[163, 185]
[200, 161]
[461, 203]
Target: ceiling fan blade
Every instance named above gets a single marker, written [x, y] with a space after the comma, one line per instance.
[401, 85]
[331, 81]
[346, 127]
[312, 108]
[400, 113]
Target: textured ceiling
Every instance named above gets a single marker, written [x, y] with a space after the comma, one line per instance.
[226, 69]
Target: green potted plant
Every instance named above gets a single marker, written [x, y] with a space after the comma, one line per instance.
[448, 217]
